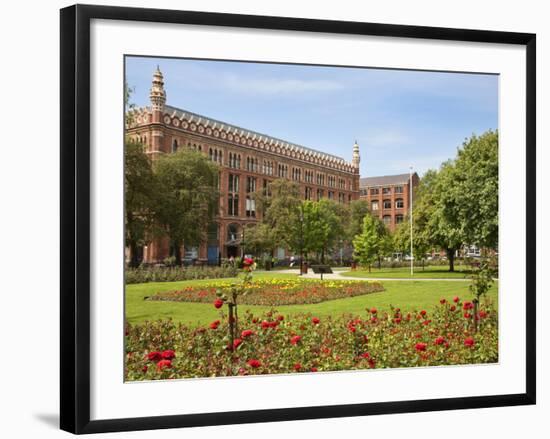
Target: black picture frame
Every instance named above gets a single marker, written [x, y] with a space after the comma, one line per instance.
[75, 217]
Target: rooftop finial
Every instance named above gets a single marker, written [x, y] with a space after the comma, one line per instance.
[157, 93]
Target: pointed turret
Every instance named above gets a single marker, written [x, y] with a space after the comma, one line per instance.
[157, 95]
[356, 157]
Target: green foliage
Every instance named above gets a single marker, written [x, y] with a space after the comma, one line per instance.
[139, 195]
[372, 242]
[321, 226]
[357, 211]
[273, 342]
[187, 197]
[172, 274]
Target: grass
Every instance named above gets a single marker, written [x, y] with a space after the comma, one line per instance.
[431, 272]
[408, 295]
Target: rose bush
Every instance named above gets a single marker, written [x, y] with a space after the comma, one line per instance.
[274, 292]
[277, 343]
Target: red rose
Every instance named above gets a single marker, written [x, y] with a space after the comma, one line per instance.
[371, 363]
[467, 315]
[154, 356]
[442, 301]
[453, 308]
[254, 363]
[365, 355]
[313, 369]
[423, 312]
[482, 314]
[373, 320]
[280, 318]
[315, 320]
[144, 369]
[352, 328]
[247, 333]
[218, 303]
[469, 342]
[297, 366]
[168, 354]
[420, 346]
[397, 320]
[456, 299]
[236, 343]
[294, 340]
[164, 364]
[247, 262]
[467, 305]
[373, 310]
[215, 324]
[439, 340]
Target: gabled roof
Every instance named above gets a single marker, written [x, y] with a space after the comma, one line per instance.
[384, 180]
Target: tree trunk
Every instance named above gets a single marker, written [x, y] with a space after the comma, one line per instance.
[451, 256]
[177, 253]
[323, 256]
[134, 259]
[379, 262]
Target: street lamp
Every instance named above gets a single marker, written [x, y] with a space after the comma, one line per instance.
[301, 240]
[242, 244]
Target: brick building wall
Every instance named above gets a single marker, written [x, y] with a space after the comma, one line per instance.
[247, 160]
[389, 196]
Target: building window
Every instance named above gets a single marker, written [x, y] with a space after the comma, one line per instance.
[319, 194]
[266, 188]
[386, 191]
[387, 220]
[374, 205]
[398, 189]
[387, 204]
[330, 195]
[213, 232]
[174, 145]
[321, 179]
[399, 219]
[233, 205]
[341, 197]
[234, 160]
[399, 204]
[250, 206]
[233, 183]
[308, 192]
[375, 191]
[363, 192]
[232, 232]
[250, 184]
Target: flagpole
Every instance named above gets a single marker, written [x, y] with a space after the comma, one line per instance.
[411, 217]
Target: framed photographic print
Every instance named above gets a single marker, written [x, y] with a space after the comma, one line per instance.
[273, 218]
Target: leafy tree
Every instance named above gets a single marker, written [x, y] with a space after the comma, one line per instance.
[139, 191]
[370, 243]
[421, 242]
[358, 209]
[476, 183]
[187, 197]
[280, 213]
[321, 227]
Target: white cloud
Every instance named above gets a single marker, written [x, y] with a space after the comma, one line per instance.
[276, 86]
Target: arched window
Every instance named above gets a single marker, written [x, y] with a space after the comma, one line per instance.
[398, 219]
[387, 219]
[232, 232]
[387, 204]
[399, 204]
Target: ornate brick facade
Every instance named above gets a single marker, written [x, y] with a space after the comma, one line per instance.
[389, 196]
[248, 162]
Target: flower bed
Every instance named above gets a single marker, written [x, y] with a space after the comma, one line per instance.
[275, 292]
[275, 343]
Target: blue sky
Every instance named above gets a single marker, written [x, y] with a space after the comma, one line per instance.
[399, 118]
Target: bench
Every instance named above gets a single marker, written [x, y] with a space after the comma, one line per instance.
[321, 269]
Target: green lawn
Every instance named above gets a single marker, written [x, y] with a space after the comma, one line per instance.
[432, 272]
[407, 295]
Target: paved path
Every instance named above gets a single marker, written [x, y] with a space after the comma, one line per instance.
[337, 275]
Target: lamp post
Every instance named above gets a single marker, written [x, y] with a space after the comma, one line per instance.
[242, 244]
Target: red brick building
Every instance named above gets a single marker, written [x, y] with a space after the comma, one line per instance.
[248, 161]
[389, 196]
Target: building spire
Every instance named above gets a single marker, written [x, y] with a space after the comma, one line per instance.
[356, 157]
[157, 95]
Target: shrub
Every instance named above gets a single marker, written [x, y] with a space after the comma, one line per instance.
[173, 274]
[276, 343]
